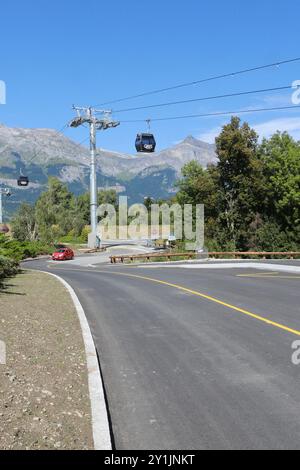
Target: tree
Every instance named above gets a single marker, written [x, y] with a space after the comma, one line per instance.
[24, 226]
[54, 211]
[281, 159]
[59, 213]
[198, 186]
[241, 182]
[104, 197]
[252, 194]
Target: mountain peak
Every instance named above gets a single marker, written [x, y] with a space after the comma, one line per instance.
[190, 139]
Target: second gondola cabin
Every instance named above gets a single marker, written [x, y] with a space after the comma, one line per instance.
[145, 143]
[23, 181]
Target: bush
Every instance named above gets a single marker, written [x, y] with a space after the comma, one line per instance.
[85, 233]
[17, 251]
[270, 237]
[8, 267]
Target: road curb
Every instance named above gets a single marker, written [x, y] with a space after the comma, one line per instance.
[100, 423]
[36, 259]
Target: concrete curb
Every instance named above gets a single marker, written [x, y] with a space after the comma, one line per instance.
[36, 259]
[100, 424]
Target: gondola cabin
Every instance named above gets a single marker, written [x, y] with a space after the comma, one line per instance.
[23, 181]
[145, 143]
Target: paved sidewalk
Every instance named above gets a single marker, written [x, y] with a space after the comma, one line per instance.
[44, 397]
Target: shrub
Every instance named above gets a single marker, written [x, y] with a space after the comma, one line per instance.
[270, 237]
[18, 251]
[8, 267]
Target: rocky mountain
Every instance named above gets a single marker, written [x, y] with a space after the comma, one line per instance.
[113, 164]
[40, 153]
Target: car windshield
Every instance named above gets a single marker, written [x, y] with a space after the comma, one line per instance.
[61, 251]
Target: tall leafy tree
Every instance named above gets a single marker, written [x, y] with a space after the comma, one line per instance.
[24, 226]
[199, 186]
[281, 160]
[104, 197]
[58, 212]
[54, 211]
[241, 184]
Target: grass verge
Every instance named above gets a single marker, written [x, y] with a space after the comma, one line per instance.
[44, 398]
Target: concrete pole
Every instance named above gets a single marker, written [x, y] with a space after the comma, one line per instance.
[93, 184]
[1, 208]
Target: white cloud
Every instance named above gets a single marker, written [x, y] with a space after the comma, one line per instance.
[290, 125]
[279, 100]
[210, 136]
[264, 129]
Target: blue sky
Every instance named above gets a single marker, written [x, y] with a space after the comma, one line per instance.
[57, 53]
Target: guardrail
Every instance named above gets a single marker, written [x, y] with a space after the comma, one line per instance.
[192, 255]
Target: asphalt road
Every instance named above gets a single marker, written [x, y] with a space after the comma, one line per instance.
[203, 363]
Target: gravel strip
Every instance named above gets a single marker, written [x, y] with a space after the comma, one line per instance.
[44, 398]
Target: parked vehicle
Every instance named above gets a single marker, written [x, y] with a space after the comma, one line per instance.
[63, 254]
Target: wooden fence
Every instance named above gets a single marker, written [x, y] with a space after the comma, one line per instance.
[192, 255]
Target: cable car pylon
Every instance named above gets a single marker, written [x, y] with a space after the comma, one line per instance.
[87, 115]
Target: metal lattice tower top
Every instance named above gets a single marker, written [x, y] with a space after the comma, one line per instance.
[88, 116]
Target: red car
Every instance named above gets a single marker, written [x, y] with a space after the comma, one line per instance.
[63, 254]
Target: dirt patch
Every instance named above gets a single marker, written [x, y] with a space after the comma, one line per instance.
[44, 399]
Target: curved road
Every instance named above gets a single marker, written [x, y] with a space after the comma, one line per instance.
[200, 359]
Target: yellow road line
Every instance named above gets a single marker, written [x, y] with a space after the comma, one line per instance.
[212, 299]
[199, 294]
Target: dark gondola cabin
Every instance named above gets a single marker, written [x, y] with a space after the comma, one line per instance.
[23, 181]
[145, 143]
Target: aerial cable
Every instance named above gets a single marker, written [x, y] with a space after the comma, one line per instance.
[204, 80]
[216, 114]
[206, 98]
